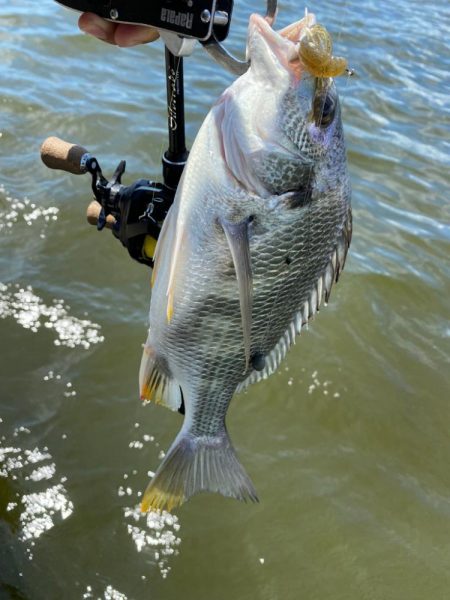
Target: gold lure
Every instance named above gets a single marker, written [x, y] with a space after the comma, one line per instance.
[315, 52]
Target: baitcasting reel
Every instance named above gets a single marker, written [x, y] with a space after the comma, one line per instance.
[134, 213]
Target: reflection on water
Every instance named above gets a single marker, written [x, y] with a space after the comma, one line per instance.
[29, 311]
[13, 210]
[46, 503]
[155, 534]
[39, 501]
[109, 594]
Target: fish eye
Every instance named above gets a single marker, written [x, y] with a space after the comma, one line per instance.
[324, 109]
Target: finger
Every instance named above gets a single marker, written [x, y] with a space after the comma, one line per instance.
[98, 27]
[132, 35]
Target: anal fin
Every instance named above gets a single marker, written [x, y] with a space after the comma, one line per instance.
[155, 385]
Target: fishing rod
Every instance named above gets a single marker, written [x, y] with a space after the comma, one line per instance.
[135, 213]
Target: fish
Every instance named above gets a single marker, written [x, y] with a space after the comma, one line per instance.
[255, 239]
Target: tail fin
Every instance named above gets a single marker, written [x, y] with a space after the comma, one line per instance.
[195, 464]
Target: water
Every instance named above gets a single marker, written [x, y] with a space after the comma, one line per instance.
[348, 445]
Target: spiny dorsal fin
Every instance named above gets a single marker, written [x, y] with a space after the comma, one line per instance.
[320, 291]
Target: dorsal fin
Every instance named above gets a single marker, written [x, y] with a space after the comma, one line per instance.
[320, 291]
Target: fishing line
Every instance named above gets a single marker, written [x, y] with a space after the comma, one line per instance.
[339, 36]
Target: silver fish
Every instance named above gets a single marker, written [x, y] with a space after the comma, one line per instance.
[257, 235]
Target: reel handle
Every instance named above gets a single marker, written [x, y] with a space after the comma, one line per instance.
[58, 154]
[93, 212]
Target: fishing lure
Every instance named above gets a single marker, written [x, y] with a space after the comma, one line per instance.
[315, 52]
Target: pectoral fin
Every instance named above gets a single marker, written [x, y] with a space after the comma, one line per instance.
[238, 241]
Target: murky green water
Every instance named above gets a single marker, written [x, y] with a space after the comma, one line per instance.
[348, 445]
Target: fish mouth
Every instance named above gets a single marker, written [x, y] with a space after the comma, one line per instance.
[284, 43]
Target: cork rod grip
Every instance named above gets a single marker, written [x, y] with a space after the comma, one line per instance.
[93, 212]
[58, 154]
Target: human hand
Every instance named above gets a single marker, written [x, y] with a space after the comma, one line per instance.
[120, 34]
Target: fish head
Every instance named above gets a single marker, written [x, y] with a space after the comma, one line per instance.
[273, 53]
[297, 118]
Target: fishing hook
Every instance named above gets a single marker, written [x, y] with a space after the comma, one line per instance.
[221, 55]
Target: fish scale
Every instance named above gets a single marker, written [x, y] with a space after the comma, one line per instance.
[257, 234]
